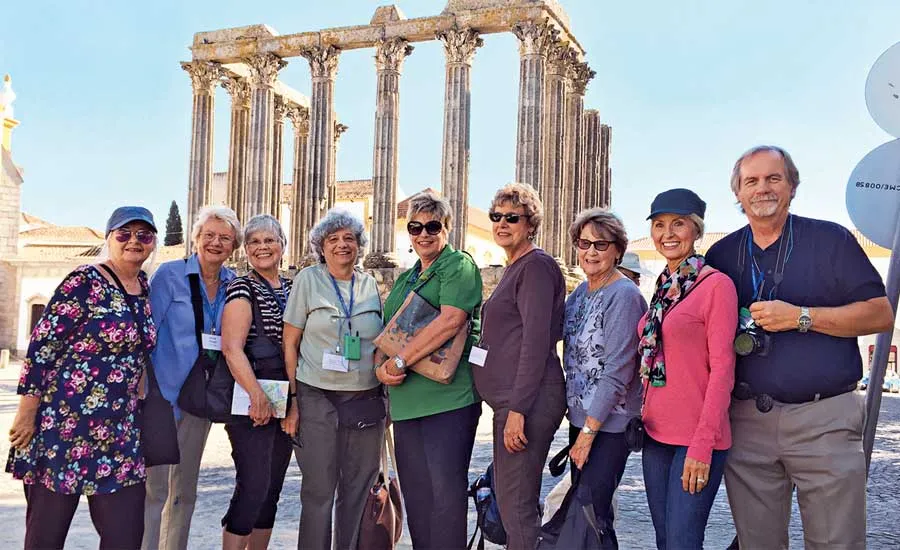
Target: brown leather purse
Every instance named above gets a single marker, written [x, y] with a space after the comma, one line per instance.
[382, 521]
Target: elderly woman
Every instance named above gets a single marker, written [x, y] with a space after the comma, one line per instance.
[603, 389]
[332, 317]
[521, 378]
[435, 423]
[172, 490]
[260, 444]
[76, 429]
[688, 362]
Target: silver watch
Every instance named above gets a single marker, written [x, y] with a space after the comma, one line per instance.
[804, 322]
[399, 363]
[588, 431]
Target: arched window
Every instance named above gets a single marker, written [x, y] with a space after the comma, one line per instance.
[36, 311]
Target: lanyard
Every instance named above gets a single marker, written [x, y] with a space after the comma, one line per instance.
[279, 299]
[348, 311]
[211, 311]
[757, 276]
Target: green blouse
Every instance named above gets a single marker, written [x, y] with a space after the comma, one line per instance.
[454, 280]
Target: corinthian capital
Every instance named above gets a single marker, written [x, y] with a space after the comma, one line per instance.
[299, 117]
[239, 90]
[281, 109]
[264, 69]
[204, 75]
[390, 53]
[580, 74]
[560, 56]
[460, 44]
[339, 129]
[535, 38]
[323, 62]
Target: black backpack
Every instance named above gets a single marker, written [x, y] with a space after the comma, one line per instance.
[482, 492]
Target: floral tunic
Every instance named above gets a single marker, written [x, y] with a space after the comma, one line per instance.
[85, 361]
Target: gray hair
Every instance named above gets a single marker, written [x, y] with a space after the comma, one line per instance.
[791, 172]
[335, 220]
[524, 195]
[222, 213]
[427, 202]
[267, 223]
[601, 220]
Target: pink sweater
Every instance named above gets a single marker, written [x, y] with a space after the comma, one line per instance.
[691, 410]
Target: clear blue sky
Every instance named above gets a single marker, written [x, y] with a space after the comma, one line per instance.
[686, 86]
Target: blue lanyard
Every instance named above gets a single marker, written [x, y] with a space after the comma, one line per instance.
[348, 311]
[211, 311]
[757, 275]
[279, 299]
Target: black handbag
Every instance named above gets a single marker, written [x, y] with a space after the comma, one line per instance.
[575, 525]
[159, 434]
[361, 413]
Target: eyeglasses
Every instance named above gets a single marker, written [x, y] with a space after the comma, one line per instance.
[599, 246]
[432, 228]
[511, 217]
[143, 236]
[209, 237]
[268, 241]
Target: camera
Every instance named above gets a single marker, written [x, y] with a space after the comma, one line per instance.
[751, 338]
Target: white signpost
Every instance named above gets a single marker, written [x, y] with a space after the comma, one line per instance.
[873, 201]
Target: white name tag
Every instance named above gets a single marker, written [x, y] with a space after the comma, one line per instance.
[478, 356]
[211, 341]
[335, 362]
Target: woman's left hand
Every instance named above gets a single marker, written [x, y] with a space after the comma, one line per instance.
[514, 433]
[695, 475]
[581, 449]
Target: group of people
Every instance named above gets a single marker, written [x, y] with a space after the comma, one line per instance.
[781, 414]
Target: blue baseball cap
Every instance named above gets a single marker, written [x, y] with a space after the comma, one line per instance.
[677, 201]
[124, 215]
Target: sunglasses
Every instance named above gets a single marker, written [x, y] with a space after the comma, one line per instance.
[143, 236]
[599, 246]
[511, 217]
[432, 228]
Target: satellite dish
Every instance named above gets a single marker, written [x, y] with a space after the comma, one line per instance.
[883, 91]
[873, 193]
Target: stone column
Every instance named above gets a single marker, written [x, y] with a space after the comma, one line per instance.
[554, 139]
[323, 64]
[389, 56]
[204, 77]
[591, 177]
[579, 75]
[274, 192]
[239, 143]
[299, 118]
[604, 193]
[339, 130]
[459, 49]
[534, 40]
[263, 74]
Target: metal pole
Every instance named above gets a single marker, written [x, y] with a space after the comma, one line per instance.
[882, 352]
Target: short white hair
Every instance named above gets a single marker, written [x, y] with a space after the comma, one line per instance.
[222, 213]
[265, 222]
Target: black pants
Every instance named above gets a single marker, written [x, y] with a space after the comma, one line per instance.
[261, 456]
[118, 517]
[433, 454]
[600, 477]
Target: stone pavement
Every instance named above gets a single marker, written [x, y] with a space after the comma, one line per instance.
[634, 527]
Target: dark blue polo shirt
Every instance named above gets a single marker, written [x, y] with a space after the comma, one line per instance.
[825, 267]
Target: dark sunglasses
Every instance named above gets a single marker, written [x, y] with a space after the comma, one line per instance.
[599, 246]
[432, 228]
[511, 217]
[143, 236]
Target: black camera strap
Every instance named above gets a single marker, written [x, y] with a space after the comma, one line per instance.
[781, 259]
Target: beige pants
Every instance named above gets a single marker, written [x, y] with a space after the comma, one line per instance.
[172, 490]
[816, 446]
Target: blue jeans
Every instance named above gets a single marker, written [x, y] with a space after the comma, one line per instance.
[678, 516]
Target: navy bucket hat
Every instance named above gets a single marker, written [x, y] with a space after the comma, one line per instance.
[677, 201]
[126, 214]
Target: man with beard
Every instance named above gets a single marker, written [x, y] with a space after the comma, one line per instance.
[807, 291]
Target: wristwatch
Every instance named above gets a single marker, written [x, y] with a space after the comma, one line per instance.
[804, 322]
[399, 363]
[588, 431]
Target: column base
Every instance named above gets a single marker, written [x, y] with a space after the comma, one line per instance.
[377, 260]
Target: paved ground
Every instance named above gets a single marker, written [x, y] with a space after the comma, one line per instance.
[634, 527]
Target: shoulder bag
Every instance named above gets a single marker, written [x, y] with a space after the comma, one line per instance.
[382, 521]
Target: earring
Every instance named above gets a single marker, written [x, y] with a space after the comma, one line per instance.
[410, 250]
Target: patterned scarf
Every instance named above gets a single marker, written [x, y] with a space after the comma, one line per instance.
[670, 288]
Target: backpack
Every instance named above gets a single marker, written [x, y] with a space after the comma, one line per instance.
[482, 492]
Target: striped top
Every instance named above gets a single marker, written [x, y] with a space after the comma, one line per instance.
[241, 287]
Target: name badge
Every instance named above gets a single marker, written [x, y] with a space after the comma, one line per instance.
[335, 362]
[211, 341]
[478, 356]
